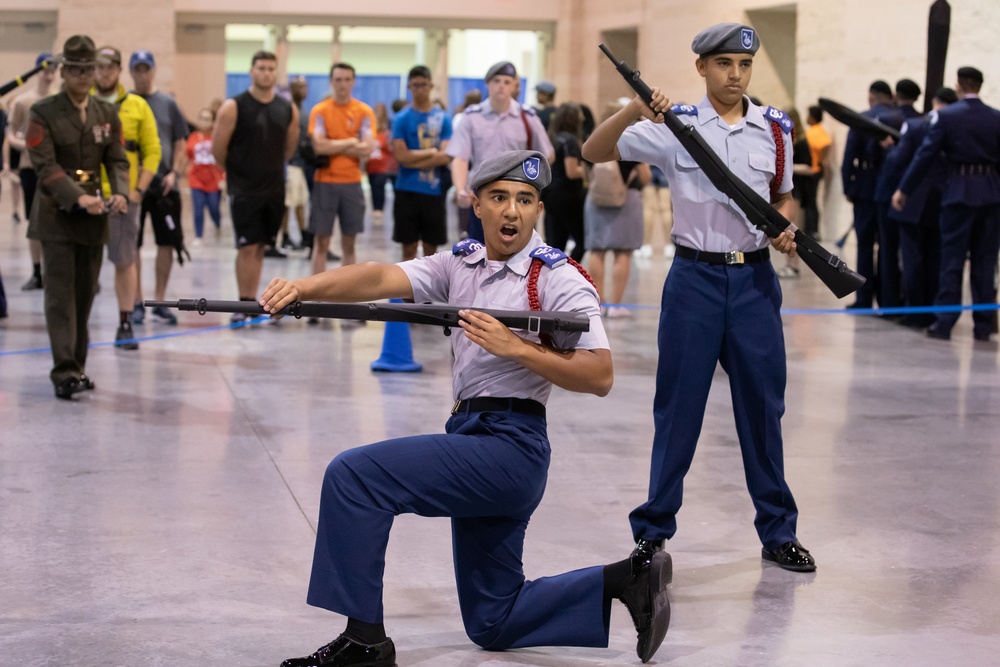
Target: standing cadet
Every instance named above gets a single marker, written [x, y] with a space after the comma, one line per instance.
[890, 286]
[919, 220]
[142, 146]
[721, 299]
[70, 137]
[863, 157]
[498, 124]
[968, 132]
[488, 473]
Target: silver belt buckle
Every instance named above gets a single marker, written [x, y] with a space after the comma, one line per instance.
[734, 257]
[454, 410]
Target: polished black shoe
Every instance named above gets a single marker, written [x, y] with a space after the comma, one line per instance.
[87, 383]
[934, 332]
[68, 387]
[790, 556]
[645, 597]
[982, 336]
[643, 552]
[345, 652]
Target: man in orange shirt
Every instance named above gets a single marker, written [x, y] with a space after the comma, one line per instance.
[341, 128]
[819, 147]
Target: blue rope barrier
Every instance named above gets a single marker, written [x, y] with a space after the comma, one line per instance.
[906, 310]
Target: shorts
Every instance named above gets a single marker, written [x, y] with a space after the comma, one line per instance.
[165, 212]
[256, 219]
[345, 201]
[123, 236]
[296, 188]
[419, 217]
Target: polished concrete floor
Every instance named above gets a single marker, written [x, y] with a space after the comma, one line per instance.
[168, 517]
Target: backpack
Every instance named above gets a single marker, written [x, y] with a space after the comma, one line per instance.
[607, 188]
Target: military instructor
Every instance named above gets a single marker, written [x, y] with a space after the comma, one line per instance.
[70, 136]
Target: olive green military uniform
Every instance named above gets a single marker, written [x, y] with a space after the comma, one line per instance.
[67, 153]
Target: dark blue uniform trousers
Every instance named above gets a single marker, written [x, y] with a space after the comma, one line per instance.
[866, 231]
[974, 233]
[920, 246]
[727, 314]
[890, 277]
[488, 473]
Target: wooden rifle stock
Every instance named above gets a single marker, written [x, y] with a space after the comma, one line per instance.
[832, 270]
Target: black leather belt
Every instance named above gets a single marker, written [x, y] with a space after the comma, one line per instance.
[492, 404]
[734, 257]
[972, 169]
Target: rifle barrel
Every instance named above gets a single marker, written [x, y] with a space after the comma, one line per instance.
[540, 321]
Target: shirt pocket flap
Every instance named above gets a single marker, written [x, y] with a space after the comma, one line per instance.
[685, 161]
[762, 162]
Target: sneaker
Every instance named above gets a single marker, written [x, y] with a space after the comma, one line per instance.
[669, 250]
[138, 314]
[312, 320]
[618, 312]
[197, 242]
[239, 319]
[275, 253]
[125, 338]
[646, 250]
[34, 282]
[161, 314]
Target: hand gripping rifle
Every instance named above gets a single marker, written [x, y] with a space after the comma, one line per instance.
[534, 321]
[19, 81]
[832, 270]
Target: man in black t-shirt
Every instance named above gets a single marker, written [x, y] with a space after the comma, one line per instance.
[256, 132]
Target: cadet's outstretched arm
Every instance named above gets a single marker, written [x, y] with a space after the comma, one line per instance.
[358, 282]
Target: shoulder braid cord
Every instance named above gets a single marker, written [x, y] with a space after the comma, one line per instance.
[779, 158]
[535, 302]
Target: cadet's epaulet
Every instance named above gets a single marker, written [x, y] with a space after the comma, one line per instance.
[551, 257]
[684, 110]
[473, 108]
[466, 247]
[780, 117]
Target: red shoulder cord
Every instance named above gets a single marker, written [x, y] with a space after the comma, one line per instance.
[535, 303]
[779, 162]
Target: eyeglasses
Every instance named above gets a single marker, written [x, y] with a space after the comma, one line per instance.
[79, 70]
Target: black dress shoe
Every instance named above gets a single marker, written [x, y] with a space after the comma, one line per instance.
[68, 387]
[643, 552]
[934, 332]
[983, 336]
[345, 652]
[645, 596]
[791, 556]
[87, 383]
